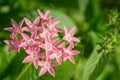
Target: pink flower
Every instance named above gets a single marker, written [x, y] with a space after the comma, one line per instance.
[44, 33]
[47, 66]
[32, 26]
[45, 17]
[69, 35]
[29, 41]
[69, 53]
[17, 28]
[14, 43]
[53, 26]
[49, 45]
[57, 56]
[33, 56]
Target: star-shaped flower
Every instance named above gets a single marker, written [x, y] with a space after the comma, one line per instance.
[69, 35]
[30, 41]
[47, 66]
[14, 43]
[53, 27]
[33, 56]
[32, 26]
[45, 17]
[17, 28]
[57, 56]
[69, 53]
[49, 45]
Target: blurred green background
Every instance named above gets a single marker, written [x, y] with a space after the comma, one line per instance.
[89, 16]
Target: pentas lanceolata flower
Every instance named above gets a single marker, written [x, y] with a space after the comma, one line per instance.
[40, 40]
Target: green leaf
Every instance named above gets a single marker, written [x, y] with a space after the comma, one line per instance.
[64, 19]
[28, 72]
[83, 5]
[95, 64]
[5, 58]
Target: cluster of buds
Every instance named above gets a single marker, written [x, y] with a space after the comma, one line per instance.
[41, 43]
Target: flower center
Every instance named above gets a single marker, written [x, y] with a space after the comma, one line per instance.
[17, 30]
[31, 42]
[47, 65]
[14, 44]
[68, 51]
[32, 28]
[68, 37]
[57, 54]
[48, 46]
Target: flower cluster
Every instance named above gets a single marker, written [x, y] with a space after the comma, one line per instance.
[40, 41]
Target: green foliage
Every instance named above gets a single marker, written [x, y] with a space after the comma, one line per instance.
[5, 60]
[95, 64]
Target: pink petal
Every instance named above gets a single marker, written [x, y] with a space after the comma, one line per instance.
[24, 44]
[33, 36]
[36, 21]
[71, 59]
[52, 56]
[64, 38]
[28, 51]
[75, 52]
[59, 30]
[28, 22]
[54, 64]
[75, 39]
[35, 62]
[7, 42]
[65, 30]
[51, 71]
[11, 49]
[37, 43]
[55, 42]
[25, 29]
[65, 58]
[42, 71]
[18, 49]
[41, 63]
[47, 39]
[40, 13]
[55, 23]
[65, 55]
[40, 55]
[59, 60]
[61, 45]
[55, 50]
[13, 36]
[9, 29]
[27, 59]
[42, 46]
[71, 46]
[14, 23]
[47, 53]
[72, 31]
[25, 36]
[39, 28]
[47, 14]
[21, 23]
